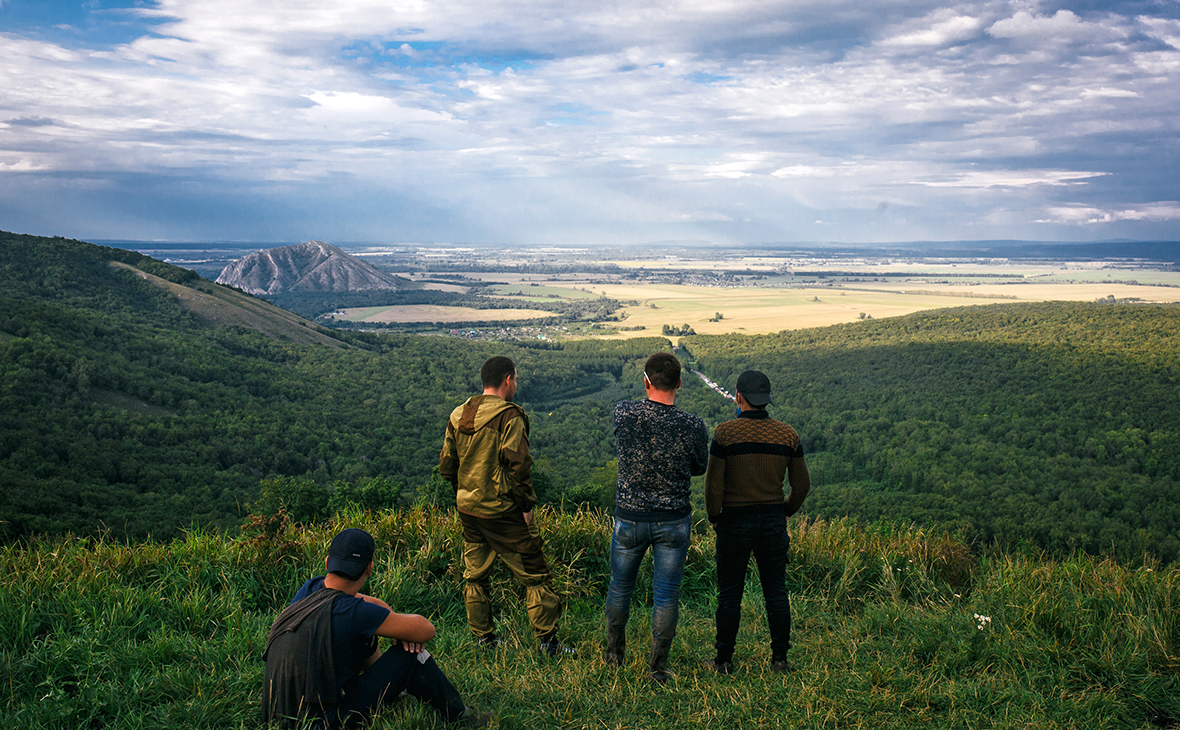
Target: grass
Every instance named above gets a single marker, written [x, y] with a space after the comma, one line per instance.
[888, 632]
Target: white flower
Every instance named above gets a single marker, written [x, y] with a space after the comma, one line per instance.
[983, 621]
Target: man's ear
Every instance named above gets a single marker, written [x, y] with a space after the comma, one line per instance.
[368, 569]
[325, 563]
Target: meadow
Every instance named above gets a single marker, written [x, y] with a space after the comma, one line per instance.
[894, 627]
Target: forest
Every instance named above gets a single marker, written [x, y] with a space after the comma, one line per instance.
[1047, 426]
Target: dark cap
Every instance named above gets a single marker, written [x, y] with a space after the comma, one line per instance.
[351, 552]
[754, 387]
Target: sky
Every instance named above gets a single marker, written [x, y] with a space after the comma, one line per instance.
[551, 122]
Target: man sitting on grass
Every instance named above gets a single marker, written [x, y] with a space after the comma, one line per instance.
[322, 656]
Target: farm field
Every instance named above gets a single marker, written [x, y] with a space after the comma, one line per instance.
[433, 313]
[754, 294]
[772, 304]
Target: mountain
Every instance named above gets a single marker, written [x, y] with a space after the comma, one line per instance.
[311, 267]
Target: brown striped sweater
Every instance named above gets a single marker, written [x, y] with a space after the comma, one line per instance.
[748, 460]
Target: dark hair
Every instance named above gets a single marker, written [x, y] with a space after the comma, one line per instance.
[495, 371]
[346, 576]
[663, 371]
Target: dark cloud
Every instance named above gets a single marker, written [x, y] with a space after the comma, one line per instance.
[32, 122]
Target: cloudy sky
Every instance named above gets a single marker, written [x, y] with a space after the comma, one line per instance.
[567, 121]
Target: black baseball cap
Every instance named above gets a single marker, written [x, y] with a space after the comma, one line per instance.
[754, 387]
[351, 552]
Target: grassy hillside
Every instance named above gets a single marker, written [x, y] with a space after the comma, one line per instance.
[893, 628]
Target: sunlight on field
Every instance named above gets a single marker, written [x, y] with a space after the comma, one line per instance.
[807, 293]
[433, 313]
[754, 310]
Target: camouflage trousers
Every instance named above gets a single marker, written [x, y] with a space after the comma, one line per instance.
[519, 545]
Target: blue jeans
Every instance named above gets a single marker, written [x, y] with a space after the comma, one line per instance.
[766, 537]
[669, 547]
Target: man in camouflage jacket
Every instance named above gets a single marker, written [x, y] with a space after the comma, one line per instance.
[485, 456]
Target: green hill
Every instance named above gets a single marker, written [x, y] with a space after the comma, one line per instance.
[1052, 424]
[141, 399]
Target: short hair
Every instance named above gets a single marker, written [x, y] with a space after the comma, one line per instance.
[663, 371]
[495, 370]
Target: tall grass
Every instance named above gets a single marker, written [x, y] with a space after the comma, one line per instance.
[894, 627]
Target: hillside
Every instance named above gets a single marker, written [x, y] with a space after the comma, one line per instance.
[1050, 424]
[144, 401]
[141, 399]
[892, 628]
[309, 267]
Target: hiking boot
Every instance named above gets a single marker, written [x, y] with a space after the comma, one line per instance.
[720, 667]
[657, 662]
[472, 717]
[616, 642]
[782, 666]
[487, 641]
[553, 647]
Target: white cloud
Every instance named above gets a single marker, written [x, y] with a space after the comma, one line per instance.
[1168, 210]
[1063, 25]
[943, 27]
[1164, 29]
[721, 104]
[1010, 178]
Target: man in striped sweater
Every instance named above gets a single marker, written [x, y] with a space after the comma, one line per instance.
[745, 499]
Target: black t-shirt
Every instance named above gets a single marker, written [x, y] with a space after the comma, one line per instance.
[354, 622]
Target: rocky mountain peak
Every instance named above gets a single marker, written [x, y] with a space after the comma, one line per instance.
[312, 266]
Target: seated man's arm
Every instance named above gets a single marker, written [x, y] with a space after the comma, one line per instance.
[409, 628]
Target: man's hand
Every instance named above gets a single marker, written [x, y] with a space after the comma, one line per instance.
[412, 648]
[528, 517]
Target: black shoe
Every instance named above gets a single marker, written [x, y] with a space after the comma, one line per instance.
[720, 667]
[782, 666]
[488, 641]
[472, 717]
[553, 647]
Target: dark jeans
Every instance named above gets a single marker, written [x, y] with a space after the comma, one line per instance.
[396, 671]
[669, 547]
[765, 535]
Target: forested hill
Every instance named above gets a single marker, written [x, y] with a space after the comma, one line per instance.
[1053, 424]
[139, 398]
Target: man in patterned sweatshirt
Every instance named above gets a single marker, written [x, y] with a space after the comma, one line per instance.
[748, 459]
[485, 456]
[660, 448]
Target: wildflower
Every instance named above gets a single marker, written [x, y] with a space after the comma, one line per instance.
[983, 621]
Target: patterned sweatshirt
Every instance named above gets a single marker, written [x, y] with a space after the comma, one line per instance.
[748, 459]
[660, 449]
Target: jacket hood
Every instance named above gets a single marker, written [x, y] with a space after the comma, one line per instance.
[477, 411]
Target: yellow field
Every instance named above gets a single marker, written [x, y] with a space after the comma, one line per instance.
[754, 310]
[780, 302]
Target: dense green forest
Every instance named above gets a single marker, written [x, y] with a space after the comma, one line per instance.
[123, 409]
[126, 406]
[1052, 424]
